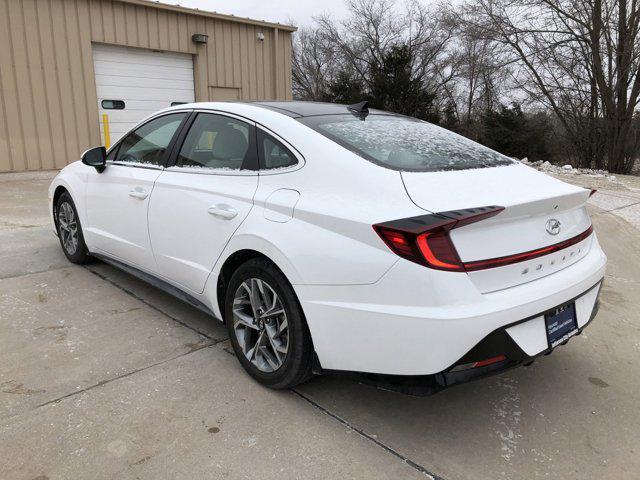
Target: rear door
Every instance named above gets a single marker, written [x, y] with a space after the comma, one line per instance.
[117, 199]
[198, 203]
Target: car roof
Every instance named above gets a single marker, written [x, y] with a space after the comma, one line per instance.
[297, 109]
[261, 110]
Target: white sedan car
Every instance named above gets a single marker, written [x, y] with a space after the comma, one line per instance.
[335, 238]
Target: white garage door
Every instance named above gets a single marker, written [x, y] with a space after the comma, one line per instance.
[132, 83]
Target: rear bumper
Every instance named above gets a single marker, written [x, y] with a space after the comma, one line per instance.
[498, 342]
[400, 327]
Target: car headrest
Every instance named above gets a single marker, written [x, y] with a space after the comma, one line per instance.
[229, 144]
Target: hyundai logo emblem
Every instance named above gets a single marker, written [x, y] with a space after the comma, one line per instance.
[553, 226]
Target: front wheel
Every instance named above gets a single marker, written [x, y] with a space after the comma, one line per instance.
[70, 230]
[266, 325]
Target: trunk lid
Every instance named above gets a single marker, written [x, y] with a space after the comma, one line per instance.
[531, 199]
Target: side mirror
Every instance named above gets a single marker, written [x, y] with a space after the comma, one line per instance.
[96, 157]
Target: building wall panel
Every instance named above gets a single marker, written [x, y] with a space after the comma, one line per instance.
[183, 34]
[14, 158]
[26, 125]
[120, 23]
[142, 26]
[131, 25]
[108, 22]
[67, 95]
[37, 84]
[74, 45]
[48, 102]
[288, 45]
[88, 74]
[95, 19]
[154, 25]
[59, 149]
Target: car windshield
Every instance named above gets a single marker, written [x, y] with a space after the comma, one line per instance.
[404, 143]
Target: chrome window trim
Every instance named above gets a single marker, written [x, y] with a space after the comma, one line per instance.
[226, 114]
[147, 166]
[212, 171]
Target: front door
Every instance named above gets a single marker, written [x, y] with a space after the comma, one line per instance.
[199, 203]
[117, 199]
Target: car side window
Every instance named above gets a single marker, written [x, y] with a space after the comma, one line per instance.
[217, 142]
[147, 145]
[274, 154]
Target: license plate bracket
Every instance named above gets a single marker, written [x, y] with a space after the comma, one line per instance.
[561, 324]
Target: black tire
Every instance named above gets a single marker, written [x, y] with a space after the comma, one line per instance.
[79, 254]
[297, 364]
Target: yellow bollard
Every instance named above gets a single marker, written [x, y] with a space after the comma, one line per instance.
[105, 128]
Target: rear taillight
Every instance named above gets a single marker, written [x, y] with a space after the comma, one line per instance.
[425, 239]
[436, 248]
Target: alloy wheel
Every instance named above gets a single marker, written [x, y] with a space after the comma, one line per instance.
[68, 228]
[260, 325]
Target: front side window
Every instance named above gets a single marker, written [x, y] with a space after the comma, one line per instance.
[147, 145]
[274, 154]
[217, 142]
[112, 154]
[404, 143]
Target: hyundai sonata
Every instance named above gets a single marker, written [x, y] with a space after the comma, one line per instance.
[340, 238]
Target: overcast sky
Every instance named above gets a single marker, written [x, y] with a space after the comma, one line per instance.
[281, 11]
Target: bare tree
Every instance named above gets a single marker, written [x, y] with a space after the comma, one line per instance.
[360, 44]
[313, 64]
[481, 79]
[581, 59]
[375, 26]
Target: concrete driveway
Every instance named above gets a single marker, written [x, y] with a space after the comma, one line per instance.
[102, 376]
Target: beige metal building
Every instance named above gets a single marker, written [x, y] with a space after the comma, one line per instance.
[65, 64]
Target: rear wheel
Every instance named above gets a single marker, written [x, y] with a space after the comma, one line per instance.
[70, 231]
[267, 327]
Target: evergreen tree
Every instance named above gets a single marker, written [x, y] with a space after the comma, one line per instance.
[395, 88]
[346, 88]
[511, 132]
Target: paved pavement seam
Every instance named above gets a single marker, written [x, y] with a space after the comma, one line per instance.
[314, 404]
[612, 193]
[10, 226]
[118, 377]
[359, 431]
[369, 437]
[151, 305]
[617, 208]
[34, 273]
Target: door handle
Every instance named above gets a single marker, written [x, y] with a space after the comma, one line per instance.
[223, 211]
[138, 193]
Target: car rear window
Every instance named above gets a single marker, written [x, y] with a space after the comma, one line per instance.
[404, 143]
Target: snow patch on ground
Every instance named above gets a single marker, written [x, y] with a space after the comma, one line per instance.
[507, 414]
[548, 167]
